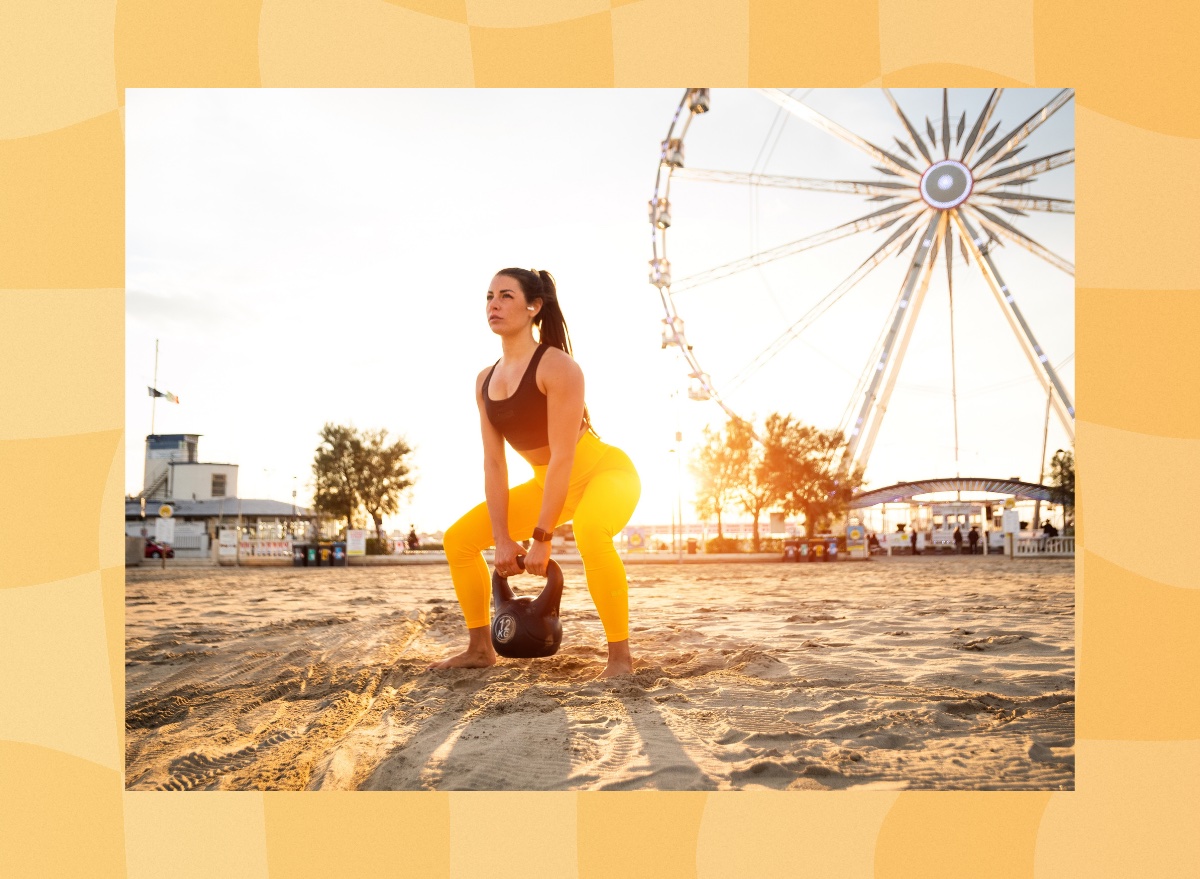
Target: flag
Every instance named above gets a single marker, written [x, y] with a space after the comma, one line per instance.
[171, 398]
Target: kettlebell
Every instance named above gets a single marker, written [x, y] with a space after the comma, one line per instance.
[523, 628]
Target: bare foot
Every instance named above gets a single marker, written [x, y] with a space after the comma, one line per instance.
[467, 659]
[615, 669]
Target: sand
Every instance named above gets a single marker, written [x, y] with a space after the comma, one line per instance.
[903, 673]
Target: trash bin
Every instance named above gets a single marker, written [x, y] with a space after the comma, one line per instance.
[692, 543]
[325, 554]
[338, 558]
[310, 555]
[789, 553]
[299, 555]
[831, 551]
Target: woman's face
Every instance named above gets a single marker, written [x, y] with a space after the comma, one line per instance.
[507, 310]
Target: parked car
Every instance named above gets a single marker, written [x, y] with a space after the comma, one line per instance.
[158, 550]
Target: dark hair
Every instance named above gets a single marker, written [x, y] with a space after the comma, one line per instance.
[552, 326]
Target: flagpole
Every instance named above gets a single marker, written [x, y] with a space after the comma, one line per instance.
[154, 397]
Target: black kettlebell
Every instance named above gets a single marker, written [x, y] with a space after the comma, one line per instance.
[523, 628]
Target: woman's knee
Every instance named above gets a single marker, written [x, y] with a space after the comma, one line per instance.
[592, 538]
[462, 536]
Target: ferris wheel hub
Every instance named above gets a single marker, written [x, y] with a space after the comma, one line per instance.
[946, 184]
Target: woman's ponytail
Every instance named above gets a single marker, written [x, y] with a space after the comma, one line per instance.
[551, 325]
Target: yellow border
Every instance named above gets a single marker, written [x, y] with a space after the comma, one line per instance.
[62, 78]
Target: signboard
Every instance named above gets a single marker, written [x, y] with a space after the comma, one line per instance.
[856, 541]
[277, 549]
[1012, 522]
[356, 542]
[228, 543]
[164, 531]
[166, 511]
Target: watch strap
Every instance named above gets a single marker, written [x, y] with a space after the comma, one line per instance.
[542, 536]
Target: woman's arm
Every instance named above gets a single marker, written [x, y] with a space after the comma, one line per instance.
[495, 487]
[563, 380]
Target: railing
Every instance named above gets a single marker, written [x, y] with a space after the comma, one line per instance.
[1045, 547]
[190, 546]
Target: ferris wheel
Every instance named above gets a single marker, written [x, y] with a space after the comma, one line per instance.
[947, 188]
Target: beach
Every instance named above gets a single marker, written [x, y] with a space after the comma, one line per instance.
[952, 672]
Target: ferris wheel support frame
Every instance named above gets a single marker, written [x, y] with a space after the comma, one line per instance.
[1045, 372]
[904, 316]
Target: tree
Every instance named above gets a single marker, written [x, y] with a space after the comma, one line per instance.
[753, 490]
[336, 469]
[359, 471]
[1062, 484]
[715, 466]
[799, 464]
[383, 478]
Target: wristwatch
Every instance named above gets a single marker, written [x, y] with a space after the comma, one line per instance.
[542, 536]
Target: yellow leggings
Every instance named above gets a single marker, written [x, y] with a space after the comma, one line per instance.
[603, 490]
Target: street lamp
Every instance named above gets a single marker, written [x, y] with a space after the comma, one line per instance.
[678, 483]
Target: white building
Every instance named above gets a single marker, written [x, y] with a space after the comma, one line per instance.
[203, 499]
[172, 471]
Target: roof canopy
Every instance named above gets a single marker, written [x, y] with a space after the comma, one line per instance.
[903, 491]
[229, 508]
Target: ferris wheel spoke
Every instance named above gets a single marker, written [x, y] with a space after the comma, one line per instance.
[950, 261]
[1022, 131]
[946, 122]
[1038, 359]
[985, 116]
[1029, 202]
[997, 225]
[1026, 170]
[808, 114]
[870, 221]
[828, 301]
[912, 132]
[856, 187]
[904, 313]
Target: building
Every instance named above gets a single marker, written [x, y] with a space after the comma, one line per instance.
[202, 499]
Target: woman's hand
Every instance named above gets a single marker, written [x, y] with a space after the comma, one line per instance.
[537, 559]
[505, 559]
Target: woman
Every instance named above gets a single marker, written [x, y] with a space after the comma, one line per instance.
[533, 398]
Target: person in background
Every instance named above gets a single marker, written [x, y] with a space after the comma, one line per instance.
[973, 539]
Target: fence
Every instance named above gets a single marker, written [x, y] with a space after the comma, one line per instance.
[191, 546]
[1045, 547]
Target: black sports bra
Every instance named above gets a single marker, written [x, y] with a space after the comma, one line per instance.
[521, 417]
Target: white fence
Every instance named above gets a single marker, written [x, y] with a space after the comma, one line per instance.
[1045, 547]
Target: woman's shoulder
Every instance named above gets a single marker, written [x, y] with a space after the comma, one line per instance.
[556, 361]
[482, 376]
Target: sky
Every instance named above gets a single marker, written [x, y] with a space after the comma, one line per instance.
[313, 256]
